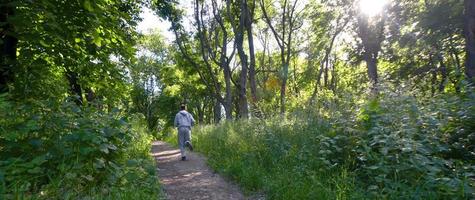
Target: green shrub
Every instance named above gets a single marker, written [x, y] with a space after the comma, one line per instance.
[393, 147]
[52, 150]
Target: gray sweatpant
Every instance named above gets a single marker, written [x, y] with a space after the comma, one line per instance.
[184, 135]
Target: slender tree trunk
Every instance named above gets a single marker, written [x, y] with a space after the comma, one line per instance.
[283, 88]
[455, 57]
[243, 107]
[252, 63]
[470, 39]
[224, 60]
[433, 81]
[284, 42]
[90, 95]
[325, 75]
[433, 72]
[8, 47]
[443, 74]
[201, 112]
[372, 35]
[296, 86]
[217, 112]
[228, 104]
[333, 78]
[317, 83]
[236, 107]
[372, 64]
[325, 59]
[74, 86]
[252, 66]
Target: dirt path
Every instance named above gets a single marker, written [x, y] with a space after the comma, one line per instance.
[190, 179]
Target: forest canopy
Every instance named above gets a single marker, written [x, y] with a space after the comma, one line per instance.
[378, 93]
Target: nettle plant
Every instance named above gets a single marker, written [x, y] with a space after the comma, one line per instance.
[405, 148]
[42, 140]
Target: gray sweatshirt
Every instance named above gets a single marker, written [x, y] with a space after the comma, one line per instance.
[184, 119]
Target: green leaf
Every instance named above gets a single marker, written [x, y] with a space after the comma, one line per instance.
[373, 187]
[112, 147]
[39, 160]
[35, 143]
[132, 162]
[105, 148]
[35, 170]
[88, 177]
[98, 41]
[77, 40]
[88, 6]
[374, 167]
[86, 150]
[100, 163]
[32, 125]
[43, 43]
[70, 175]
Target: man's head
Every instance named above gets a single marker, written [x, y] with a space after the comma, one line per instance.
[182, 106]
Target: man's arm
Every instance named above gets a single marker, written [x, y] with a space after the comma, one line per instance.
[192, 120]
[176, 121]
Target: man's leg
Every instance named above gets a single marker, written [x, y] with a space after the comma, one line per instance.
[187, 136]
[181, 141]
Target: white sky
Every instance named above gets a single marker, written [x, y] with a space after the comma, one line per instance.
[151, 22]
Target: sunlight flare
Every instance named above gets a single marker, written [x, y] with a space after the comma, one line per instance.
[372, 8]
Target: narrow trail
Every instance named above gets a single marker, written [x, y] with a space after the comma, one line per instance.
[190, 179]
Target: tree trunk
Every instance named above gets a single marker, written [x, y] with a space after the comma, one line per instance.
[224, 61]
[372, 64]
[325, 75]
[201, 112]
[90, 95]
[228, 104]
[252, 64]
[372, 35]
[8, 47]
[333, 78]
[283, 41]
[74, 86]
[243, 110]
[458, 68]
[283, 88]
[325, 60]
[217, 112]
[236, 107]
[433, 81]
[433, 72]
[443, 73]
[317, 83]
[470, 39]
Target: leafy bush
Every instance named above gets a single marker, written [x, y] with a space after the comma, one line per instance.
[52, 150]
[393, 147]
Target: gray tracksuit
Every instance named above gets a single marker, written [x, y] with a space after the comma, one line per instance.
[184, 121]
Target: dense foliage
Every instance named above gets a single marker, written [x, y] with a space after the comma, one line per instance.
[333, 98]
[52, 150]
[394, 148]
[66, 127]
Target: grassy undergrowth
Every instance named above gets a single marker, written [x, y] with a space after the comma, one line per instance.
[392, 148]
[61, 151]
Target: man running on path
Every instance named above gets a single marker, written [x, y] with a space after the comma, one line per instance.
[184, 121]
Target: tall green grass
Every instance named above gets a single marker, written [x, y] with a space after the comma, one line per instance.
[275, 157]
[395, 147]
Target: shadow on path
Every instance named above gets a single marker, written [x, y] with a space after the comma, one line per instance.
[190, 179]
